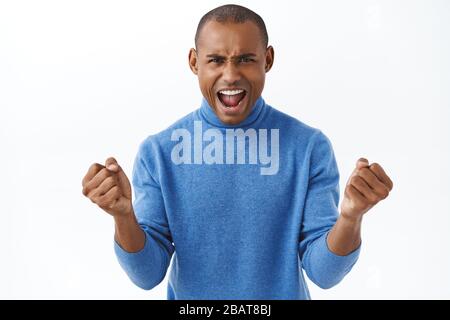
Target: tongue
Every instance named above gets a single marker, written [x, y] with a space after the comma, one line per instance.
[231, 101]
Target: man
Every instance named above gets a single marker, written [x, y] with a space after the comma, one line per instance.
[239, 196]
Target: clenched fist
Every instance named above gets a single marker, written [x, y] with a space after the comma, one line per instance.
[109, 188]
[367, 185]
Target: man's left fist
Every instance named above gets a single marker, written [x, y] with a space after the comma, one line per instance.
[367, 185]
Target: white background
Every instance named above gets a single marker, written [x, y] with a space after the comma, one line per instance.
[84, 80]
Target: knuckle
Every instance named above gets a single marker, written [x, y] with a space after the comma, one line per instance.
[110, 180]
[375, 165]
[116, 190]
[359, 175]
[347, 191]
[85, 191]
[391, 186]
[373, 199]
[101, 206]
[357, 180]
[95, 166]
[102, 203]
[93, 196]
[364, 172]
[104, 173]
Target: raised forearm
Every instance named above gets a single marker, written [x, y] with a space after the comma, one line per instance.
[345, 236]
[128, 233]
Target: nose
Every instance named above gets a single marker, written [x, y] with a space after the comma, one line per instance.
[231, 73]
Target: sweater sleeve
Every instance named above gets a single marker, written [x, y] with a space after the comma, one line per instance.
[322, 266]
[148, 267]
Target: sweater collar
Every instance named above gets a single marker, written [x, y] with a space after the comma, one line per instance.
[210, 116]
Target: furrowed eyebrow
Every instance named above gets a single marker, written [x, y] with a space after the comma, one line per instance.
[245, 55]
[215, 56]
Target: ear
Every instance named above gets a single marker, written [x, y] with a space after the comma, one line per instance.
[193, 61]
[270, 56]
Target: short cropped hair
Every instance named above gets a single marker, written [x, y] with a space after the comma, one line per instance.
[236, 14]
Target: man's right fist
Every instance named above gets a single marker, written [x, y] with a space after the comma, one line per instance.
[109, 188]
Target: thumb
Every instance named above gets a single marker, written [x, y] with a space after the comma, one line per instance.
[361, 163]
[111, 164]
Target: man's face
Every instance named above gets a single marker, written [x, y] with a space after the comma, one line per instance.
[231, 63]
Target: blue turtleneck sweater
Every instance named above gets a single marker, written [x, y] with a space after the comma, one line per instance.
[238, 212]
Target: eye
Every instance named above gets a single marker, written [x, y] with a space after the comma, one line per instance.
[245, 59]
[215, 60]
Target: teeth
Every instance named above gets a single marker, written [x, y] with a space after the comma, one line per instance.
[231, 92]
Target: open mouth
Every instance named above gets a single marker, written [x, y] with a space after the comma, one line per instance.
[231, 98]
